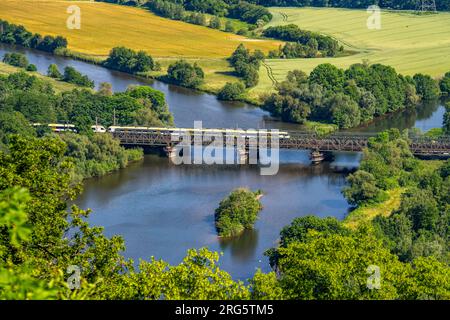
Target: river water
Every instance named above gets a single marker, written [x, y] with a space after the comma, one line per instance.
[162, 210]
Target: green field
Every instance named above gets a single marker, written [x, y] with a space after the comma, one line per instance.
[408, 42]
[59, 86]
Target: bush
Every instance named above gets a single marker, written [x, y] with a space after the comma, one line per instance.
[16, 59]
[231, 91]
[31, 67]
[185, 74]
[237, 212]
[215, 23]
[71, 75]
[130, 61]
[53, 71]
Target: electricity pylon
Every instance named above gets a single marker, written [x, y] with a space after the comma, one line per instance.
[426, 6]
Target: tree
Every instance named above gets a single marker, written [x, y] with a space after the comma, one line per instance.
[444, 84]
[344, 111]
[362, 188]
[185, 74]
[16, 59]
[215, 23]
[238, 211]
[231, 91]
[328, 76]
[313, 269]
[154, 100]
[427, 88]
[53, 71]
[128, 60]
[229, 26]
[31, 67]
[71, 75]
[421, 208]
[446, 121]
[105, 89]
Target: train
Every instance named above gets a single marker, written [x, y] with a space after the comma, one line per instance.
[56, 127]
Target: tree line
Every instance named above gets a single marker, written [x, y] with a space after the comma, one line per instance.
[349, 97]
[28, 99]
[17, 34]
[442, 5]
[305, 44]
[185, 10]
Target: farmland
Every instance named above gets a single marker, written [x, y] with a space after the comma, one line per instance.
[104, 26]
[410, 43]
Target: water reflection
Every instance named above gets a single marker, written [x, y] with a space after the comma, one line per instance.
[242, 247]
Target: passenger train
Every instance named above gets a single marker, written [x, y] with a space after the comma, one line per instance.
[55, 127]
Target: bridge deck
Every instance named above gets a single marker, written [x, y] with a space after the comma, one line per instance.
[292, 140]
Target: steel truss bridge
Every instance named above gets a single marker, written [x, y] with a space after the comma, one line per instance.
[419, 145]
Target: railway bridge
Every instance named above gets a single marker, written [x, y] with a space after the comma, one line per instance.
[245, 140]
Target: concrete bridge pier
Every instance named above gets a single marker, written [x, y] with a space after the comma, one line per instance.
[171, 152]
[242, 155]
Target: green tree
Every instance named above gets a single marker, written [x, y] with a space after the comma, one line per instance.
[444, 84]
[31, 67]
[16, 59]
[53, 71]
[328, 76]
[231, 91]
[215, 23]
[446, 121]
[362, 188]
[238, 211]
[427, 88]
[185, 74]
[229, 27]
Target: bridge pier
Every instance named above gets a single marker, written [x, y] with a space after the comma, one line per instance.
[243, 156]
[316, 157]
[171, 152]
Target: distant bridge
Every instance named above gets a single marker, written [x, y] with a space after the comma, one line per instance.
[297, 140]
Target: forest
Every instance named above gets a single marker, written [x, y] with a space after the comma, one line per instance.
[348, 97]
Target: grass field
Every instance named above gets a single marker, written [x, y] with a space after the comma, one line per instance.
[104, 26]
[408, 42]
[59, 86]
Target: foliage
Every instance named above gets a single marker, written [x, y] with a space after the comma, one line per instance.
[362, 189]
[128, 60]
[16, 59]
[185, 74]
[97, 155]
[71, 75]
[427, 88]
[446, 121]
[238, 211]
[345, 98]
[231, 91]
[246, 64]
[31, 67]
[444, 84]
[305, 43]
[17, 34]
[53, 71]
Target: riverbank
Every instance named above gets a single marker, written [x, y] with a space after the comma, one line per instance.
[59, 86]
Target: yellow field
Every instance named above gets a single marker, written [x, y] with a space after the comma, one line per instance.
[104, 26]
[408, 42]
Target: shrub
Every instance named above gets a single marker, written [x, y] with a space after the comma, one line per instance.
[231, 91]
[238, 211]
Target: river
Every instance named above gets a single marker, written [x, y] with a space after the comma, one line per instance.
[162, 210]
